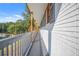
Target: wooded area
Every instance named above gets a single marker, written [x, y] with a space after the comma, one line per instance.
[20, 26]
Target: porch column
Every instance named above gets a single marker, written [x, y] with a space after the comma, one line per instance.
[31, 21]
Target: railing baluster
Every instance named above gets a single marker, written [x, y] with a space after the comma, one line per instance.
[14, 49]
[19, 47]
[2, 51]
[9, 50]
[5, 51]
[22, 47]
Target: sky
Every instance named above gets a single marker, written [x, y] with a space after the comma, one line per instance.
[11, 11]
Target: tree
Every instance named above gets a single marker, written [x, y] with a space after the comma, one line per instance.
[26, 21]
[3, 28]
[11, 29]
[19, 28]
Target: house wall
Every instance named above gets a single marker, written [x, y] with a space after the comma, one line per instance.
[65, 33]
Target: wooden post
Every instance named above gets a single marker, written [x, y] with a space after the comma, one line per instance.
[46, 17]
[31, 21]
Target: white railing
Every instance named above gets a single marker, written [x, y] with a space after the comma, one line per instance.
[18, 45]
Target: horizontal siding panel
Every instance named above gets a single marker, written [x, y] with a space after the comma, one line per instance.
[71, 38]
[68, 11]
[69, 22]
[70, 15]
[64, 5]
[66, 8]
[77, 5]
[62, 43]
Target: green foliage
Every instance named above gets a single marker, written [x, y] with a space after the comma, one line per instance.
[11, 29]
[20, 26]
[3, 27]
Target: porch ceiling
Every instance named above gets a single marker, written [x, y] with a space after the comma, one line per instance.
[38, 10]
